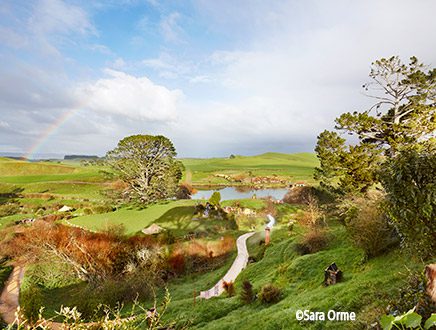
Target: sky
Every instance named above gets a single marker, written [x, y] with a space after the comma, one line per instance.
[216, 77]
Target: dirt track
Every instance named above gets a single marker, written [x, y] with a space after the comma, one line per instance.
[237, 266]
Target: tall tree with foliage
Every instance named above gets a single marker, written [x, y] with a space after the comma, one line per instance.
[405, 108]
[410, 183]
[148, 165]
[345, 169]
[404, 114]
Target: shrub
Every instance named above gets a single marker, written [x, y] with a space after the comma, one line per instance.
[87, 211]
[184, 191]
[270, 294]
[231, 223]
[298, 195]
[312, 242]
[370, 228]
[229, 287]
[312, 216]
[260, 253]
[103, 209]
[413, 295]
[247, 294]
[177, 263]
[215, 199]
[31, 301]
[9, 209]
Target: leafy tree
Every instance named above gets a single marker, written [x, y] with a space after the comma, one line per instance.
[404, 111]
[330, 151]
[404, 114]
[147, 164]
[345, 169]
[410, 182]
[215, 198]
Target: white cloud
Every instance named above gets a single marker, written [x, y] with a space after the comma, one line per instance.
[118, 64]
[12, 38]
[101, 49]
[171, 29]
[200, 79]
[168, 67]
[4, 124]
[51, 16]
[135, 97]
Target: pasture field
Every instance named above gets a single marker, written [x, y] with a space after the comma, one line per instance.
[175, 216]
[45, 186]
[291, 167]
[368, 286]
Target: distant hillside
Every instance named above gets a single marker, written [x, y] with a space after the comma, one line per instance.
[13, 167]
[70, 157]
[203, 171]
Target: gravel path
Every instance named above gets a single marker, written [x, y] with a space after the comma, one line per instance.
[237, 266]
[9, 297]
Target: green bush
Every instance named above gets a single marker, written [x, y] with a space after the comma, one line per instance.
[371, 229]
[247, 294]
[410, 182]
[413, 294]
[31, 301]
[215, 199]
[5, 271]
[313, 241]
[270, 294]
[103, 209]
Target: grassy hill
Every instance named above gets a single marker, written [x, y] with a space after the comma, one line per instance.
[367, 288]
[293, 167]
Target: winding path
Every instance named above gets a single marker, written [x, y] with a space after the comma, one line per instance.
[237, 266]
[9, 297]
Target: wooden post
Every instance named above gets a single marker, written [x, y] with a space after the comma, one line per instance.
[267, 235]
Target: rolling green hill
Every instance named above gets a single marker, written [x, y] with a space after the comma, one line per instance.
[292, 167]
[367, 287]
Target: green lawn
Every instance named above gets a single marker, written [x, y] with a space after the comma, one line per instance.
[295, 167]
[135, 220]
[176, 216]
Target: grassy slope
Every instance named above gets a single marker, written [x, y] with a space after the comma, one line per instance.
[66, 184]
[366, 289]
[175, 215]
[134, 220]
[297, 166]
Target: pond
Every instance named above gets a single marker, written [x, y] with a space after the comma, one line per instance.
[230, 193]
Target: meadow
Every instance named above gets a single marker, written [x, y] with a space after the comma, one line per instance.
[291, 167]
[368, 285]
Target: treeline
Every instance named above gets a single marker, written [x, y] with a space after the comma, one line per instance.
[72, 157]
[383, 188]
[395, 155]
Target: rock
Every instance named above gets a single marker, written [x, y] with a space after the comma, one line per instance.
[65, 208]
[153, 229]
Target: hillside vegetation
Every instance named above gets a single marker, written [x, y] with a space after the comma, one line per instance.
[367, 288]
[292, 167]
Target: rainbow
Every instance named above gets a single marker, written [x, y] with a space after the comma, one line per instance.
[47, 133]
